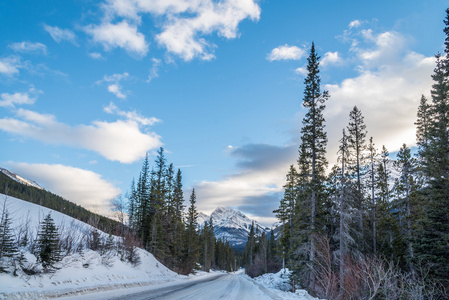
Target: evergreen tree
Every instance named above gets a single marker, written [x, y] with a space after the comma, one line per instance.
[8, 247]
[192, 254]
[383, 205]
[372, 186]
[405, 165]
[286, 210]
[132, 206]
[357, 147]
[47, 244]
[423, 126]
[313, 144]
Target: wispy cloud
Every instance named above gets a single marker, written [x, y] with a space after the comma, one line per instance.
[83, 187]
[286, 52]
[10, 100]
[60, 35]
[114, 84]
[122, 140]
[355, 24]
[10, 65]
[130, 115]
[29, 47]
[96, 55]
[154, 69]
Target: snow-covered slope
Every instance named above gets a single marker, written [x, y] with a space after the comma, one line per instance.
[231, 225]
[84, 269]
[19, 178]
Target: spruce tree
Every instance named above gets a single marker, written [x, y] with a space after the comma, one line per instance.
[285, 212]
[405, 165]
[8, 247]
[47, 244]
[192, 254]
[313, 142]
[357, 156]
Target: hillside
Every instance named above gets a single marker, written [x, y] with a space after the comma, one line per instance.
[80, 268]
[30, 191]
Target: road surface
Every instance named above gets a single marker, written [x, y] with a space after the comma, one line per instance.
[226, 286]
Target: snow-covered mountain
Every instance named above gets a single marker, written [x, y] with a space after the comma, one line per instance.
[231, 225]
[20, 179]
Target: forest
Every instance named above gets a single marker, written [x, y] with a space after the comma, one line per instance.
[373, 227]
[152, 216]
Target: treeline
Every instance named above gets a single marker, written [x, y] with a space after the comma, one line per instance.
[261, 254]
[157, 217]
[47, 199]
[359, 232]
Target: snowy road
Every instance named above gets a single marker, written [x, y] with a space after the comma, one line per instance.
[227, 286]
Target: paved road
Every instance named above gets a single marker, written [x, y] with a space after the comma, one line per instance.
[226, 286]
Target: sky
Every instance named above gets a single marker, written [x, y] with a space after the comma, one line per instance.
[87, 88]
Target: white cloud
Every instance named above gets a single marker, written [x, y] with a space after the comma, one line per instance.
[116, 90]
[387, 90]
[301, 71]
[60, 35]
[130, 115]
[256, 185]
[286, 52]
[29, 47]
[121, 140]
[10, 65]
[115, 86]
[8, 100]
[96, 55]
[330, 58]
[154, 69]
[355, 24]
[83, 187]
[184, 23]
[120, 35]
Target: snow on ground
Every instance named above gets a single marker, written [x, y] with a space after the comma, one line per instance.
[79, 272]
[278, 283]
[88, 275]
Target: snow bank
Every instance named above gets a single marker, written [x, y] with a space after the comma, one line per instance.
[280, 282]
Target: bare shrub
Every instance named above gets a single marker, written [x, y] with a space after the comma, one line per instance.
[326, 279]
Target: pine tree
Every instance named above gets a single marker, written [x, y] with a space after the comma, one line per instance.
[383, 207]
[422, 127]
[132, 206]
[178, 202]
[286, 210]
[192, 254]
[47, 244]
[405, 164]
[313, 143]
[357, 147]
[372, 186]
[8, 247]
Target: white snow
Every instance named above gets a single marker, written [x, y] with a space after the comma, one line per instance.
[86, 275]
[278, 282]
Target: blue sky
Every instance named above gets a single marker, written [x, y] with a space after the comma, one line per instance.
[88, 87]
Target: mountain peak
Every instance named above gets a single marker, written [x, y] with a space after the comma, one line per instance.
[231, 225]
